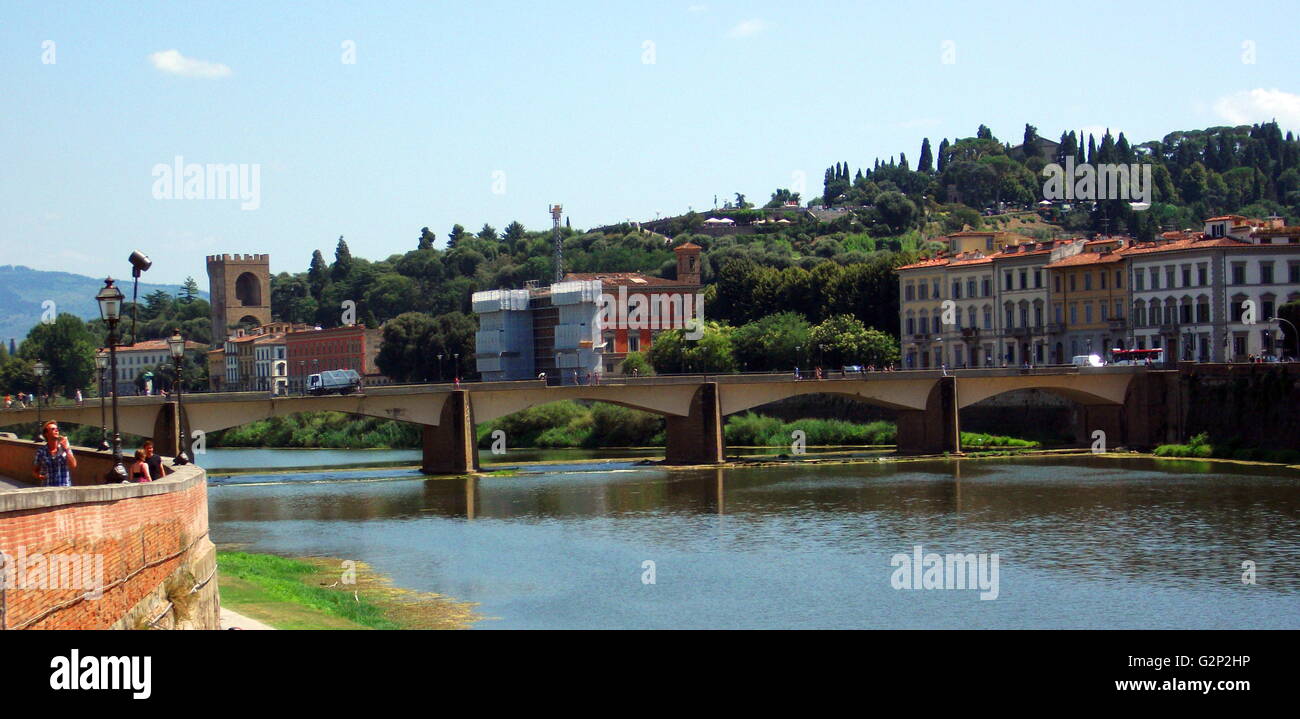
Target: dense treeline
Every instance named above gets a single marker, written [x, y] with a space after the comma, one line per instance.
[1248, 169]
[67, 346]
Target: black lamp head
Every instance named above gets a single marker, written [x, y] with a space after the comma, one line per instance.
[139, 263]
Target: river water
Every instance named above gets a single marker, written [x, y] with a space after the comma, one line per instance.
[1081, 542]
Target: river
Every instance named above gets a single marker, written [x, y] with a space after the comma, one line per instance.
[1081, 542]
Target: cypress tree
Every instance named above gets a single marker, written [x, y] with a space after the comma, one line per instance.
[342, 267]
[317, 275]
[943, 155]
[926, 162]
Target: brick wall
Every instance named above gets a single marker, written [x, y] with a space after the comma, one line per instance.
[151, 541]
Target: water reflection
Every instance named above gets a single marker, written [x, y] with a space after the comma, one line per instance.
[1084, 541]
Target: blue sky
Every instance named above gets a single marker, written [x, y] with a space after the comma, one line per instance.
[567, 99]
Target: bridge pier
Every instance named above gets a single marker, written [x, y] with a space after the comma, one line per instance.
[935, 429]
[449, 448]
[697, 437]
[1108, 418]
[168, 429]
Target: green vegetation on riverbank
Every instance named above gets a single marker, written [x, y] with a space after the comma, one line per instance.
[328, 594]
[1199, 447]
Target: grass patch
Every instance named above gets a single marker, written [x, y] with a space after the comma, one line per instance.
[281, 586]
[309, 593]
[979, 440]
[756, 430]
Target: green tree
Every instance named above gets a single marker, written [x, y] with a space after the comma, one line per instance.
[672, 352]
[637, 363]
[67, 347]
[317, 275]
[849, 342]
[769, 343]
[926, 161]
[426, 240]
[341, 270]
[456, 235]
[189, 291]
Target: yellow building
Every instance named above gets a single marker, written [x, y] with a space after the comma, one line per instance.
[1088, 297]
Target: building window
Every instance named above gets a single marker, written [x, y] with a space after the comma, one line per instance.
[956, 289]
[1155, 278]
[911, 326]
[1006, 280]
[922, 290]
[1239, 273]
[1058, 284]
[1072, 283]
[1139, 282]
[988, 318]
[1293, 273]
[1169, 277]
[988, 287]
[1058, 313]
[970, 288]
[1202, 309]
[1074, 314]
[1187, 276]
[1101, 277]
[1038, 279]
[1202, 275]
[1087, 312]
[634, 342]
[1266, 273]
[937, 326]
[1087, 281]
[909, 292]
[1119, 279]
[1024, 279]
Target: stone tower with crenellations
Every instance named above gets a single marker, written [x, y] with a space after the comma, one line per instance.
[240, 291]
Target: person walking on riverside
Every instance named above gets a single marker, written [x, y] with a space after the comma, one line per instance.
[54, 459]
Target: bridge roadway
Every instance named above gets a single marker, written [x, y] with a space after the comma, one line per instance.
[1124, 402]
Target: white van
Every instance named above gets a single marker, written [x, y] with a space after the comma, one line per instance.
[1087, 361]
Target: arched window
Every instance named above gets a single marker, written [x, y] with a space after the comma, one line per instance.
[248, 290]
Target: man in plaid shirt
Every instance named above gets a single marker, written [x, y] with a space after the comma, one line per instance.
[54, 460]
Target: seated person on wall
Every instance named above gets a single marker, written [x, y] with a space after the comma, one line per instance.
[54, 459]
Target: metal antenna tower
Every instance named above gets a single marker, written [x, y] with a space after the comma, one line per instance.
[556, 212]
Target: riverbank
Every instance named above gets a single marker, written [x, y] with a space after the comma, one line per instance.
[329, 593]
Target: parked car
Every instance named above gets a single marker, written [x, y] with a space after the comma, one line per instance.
[335, 381]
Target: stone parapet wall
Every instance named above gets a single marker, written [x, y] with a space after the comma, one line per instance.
[104, 556]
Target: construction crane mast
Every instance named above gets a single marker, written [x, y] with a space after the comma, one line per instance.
[556, 212]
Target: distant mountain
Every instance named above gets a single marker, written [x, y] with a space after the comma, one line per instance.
[24, 290]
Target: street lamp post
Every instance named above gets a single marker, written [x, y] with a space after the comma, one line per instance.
[455, 365]
[110, 309]
[39, 369]
[1293, 329]
[176, 343]
[101, 363]
[440, 369]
